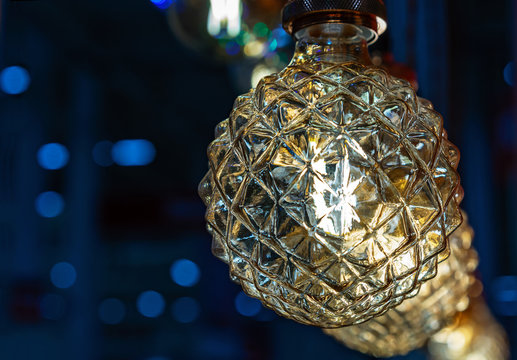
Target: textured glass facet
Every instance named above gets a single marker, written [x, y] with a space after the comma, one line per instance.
[475, 335]
[331, 192]
[409, 325]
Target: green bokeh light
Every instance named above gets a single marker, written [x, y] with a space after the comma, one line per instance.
[261, 30]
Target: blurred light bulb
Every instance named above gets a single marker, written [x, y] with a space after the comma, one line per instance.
[475, 335]
[224, 15]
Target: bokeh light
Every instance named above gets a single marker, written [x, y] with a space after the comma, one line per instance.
[247, 306]
[273, 44]
[49, 204]
[265, 315]
[254, 49]
[150, 304]
[185, 272]
[135, 152]
[260, 71]
[14, 80]
[282, 38]
[112, 311]
[102, 153]
[505, 295]
[509, 73]
[224, 18]
[232, 48]
[52, 306]
[52, 156]
[162, 4]
[185, 310]
[63, 275]
[261, 30]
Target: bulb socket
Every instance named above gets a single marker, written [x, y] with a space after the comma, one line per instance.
[370, 14]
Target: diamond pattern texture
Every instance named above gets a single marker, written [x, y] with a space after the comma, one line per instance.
[331, 192]
[409, 325]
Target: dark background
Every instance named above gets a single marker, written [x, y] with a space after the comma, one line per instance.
[76, 285]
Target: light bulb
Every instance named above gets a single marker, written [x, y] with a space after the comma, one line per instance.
[332, 187]
[475, 334]
[409, 325]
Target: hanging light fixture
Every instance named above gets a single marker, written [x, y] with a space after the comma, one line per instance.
[332, 187]
[409, 325]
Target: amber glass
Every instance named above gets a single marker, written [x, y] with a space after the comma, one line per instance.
[475, 335]
[332, 188]
[409, 325]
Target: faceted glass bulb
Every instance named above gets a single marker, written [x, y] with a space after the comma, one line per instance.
[332, 187]
[409, 325]
[474, 335]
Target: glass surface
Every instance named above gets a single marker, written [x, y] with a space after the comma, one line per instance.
[409, 325]
[332, 188]
[475, 335]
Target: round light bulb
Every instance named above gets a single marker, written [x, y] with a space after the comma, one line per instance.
[409, 325]
[332, 187]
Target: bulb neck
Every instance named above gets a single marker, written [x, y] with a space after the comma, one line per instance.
[332, 42]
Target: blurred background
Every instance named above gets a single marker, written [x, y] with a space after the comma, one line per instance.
[106, 109]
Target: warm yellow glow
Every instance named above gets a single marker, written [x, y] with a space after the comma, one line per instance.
[476, 356]
[224, 14]
[254, 48]
[475, 335]
[260, 71]
[456, 340]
